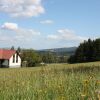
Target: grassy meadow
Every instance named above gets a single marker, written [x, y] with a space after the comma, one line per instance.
[51, 82]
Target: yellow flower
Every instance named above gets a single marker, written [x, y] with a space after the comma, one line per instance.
[86, 82]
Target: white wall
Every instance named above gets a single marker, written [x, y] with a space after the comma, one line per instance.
[14, 65]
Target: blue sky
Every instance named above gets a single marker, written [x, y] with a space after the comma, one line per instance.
[41, 24]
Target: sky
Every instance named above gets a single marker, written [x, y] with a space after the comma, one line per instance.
[43, 24]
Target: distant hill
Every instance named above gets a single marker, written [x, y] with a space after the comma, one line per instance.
[60, 51]
[67, 49]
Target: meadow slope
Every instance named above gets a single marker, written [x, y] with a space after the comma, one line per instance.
[51, 82]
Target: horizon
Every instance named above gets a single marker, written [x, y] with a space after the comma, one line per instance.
[45, 24]
[15, 48]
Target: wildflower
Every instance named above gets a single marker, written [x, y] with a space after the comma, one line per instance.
[83, 95]
[97, 91]
[91, 77]
[97, 81]
[86, 82]
[98, 94]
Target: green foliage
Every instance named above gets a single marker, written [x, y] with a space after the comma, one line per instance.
[52, 57]
[31, 57]
[87, 52]
[48, 57]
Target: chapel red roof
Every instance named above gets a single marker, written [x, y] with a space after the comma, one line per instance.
[6, 54]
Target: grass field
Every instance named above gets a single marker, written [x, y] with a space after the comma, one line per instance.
[51, 82]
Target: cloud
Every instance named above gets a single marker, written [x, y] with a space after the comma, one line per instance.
[9, 26]
[55, 37]
[66, 34]
[46, 22]
[19, 34]
[31, 38]
[20, 8]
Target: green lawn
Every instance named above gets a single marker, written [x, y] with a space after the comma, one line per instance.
[51, 82]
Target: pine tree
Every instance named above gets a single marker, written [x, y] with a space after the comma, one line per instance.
[12, 48]
[18, 49]
[86, 52]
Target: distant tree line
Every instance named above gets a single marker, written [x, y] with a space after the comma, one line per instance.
[88, 51]
[34, 58]
[52, 57]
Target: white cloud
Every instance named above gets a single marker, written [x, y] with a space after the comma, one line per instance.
[55, 37]
[33, 39]
[66, 34]
[19, 33]
[46, 22]
[9, 26]
[17, 8]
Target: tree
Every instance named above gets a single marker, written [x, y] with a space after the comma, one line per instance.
[18, 49]
[86, 52]
[97, 49]
[12, 48]
[31, 57]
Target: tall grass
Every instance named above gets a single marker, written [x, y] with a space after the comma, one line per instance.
[52, 82]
